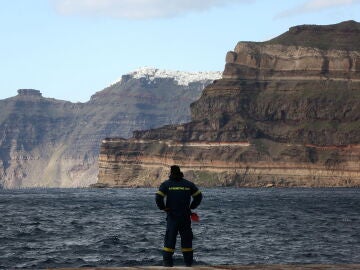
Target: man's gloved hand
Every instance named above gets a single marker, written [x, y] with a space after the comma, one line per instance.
[194, 217]
[167, 210]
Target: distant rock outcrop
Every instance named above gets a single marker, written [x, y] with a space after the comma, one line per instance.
[29, 93]
[53, 143]
[285, 113]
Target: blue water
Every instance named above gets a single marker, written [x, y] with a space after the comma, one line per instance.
[42, 228]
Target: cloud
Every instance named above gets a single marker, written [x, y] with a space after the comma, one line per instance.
[316, 5]
[138, 9]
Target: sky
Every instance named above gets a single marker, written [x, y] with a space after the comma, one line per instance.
[70, 49]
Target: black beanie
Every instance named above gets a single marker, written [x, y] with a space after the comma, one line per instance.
[175, 172]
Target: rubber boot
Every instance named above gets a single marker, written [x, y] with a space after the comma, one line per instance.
[168, 259]
[188, 258]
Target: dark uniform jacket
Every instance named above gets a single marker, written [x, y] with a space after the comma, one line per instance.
[178, 193]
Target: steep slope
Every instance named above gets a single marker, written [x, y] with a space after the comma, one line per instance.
[286, 112]
[31, 138]
[52, 143]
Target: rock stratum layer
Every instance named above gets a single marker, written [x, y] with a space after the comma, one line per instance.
[285, 113]
[52, 143]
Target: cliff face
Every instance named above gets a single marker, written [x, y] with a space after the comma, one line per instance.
[52, 143]
[286, 112]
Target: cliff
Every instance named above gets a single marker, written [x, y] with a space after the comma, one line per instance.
[285, 113]
[52, 143]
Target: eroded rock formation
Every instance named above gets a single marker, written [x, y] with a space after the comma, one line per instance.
[285, 113]
[51, 143]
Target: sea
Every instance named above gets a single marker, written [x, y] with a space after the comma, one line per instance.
[46, 228]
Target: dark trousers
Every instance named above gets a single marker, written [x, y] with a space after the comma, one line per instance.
[174, 226]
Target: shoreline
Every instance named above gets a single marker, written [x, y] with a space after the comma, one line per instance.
[100, 186]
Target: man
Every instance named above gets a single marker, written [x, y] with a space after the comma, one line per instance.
[178, 193]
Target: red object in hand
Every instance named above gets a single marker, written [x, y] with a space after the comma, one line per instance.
[194, 217]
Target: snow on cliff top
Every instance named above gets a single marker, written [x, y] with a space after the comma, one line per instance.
[181, 77]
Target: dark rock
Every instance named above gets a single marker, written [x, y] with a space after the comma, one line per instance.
[29, 92]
